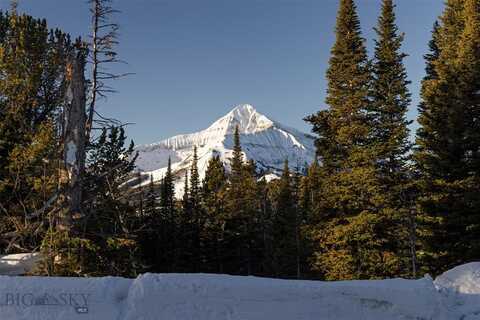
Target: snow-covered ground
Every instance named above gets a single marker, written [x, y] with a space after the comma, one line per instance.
[460, 290]
[453, 295]
[18, 264]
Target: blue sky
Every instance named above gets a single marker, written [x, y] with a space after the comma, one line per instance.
[195, 59]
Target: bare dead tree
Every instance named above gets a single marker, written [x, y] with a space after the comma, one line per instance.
[74, 141]
[102, 54]
[13, 5]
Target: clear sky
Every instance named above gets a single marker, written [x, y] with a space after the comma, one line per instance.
[195, 59]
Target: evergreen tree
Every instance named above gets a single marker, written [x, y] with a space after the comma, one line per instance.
[33, 69]
[390, 97]
[186, 196]
[344, 128]
[196, 211]
[213, 193]
[168, 220]
[390, 101]
[167, 202]
[265, 230]
[108, 243]
[151, 203]
[184, 231]
[448, 141]
[351, 240]
[343, 132]
[242, 209]
[433, 55]
[236, 163]
[285, 227]
[194, 182]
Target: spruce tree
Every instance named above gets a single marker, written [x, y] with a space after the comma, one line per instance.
[448, 141]
[343, 128]
[167, 202]
[150, 207]
[390, 97]
[433, 55]
[168, 212]
[184, 229]
[194, 181]
[186, 195]
[390, 101]
[109, 240]
[213, 194]
[284, 227]
[241, 208]
[350, 238]
[236, 163]
[196, 211]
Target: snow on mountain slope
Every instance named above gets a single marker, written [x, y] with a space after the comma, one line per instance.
[267, 142]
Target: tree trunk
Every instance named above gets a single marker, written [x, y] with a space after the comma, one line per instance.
[74, 143]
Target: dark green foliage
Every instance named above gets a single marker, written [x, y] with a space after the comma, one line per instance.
[390, 97]
[105, 240]
[236, 163]
[344, 128]
[240, 209]
[197, 219]
[390, 101]
[111, 222]
[362, 145]
[32, 69]
[448, 142]
[213, 204]
[160, 244]
[285, 227]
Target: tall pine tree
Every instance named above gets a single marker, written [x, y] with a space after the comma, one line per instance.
[448, 140]
[351, 240]
[284, 228]
[390, 101]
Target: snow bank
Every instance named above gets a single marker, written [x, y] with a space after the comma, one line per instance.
[32, 298]
[453, 295]
[18, 264]
[460, 289]
[212, 297]
[216, 297]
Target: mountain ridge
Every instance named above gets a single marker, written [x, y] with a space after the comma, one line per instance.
[265, 141]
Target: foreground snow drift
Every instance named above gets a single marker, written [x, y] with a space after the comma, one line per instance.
[225, 297]
[453, 295]
[460, 289]
[215, 297]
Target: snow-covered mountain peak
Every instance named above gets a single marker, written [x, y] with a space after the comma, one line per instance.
[267, 142]
[245, 117]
